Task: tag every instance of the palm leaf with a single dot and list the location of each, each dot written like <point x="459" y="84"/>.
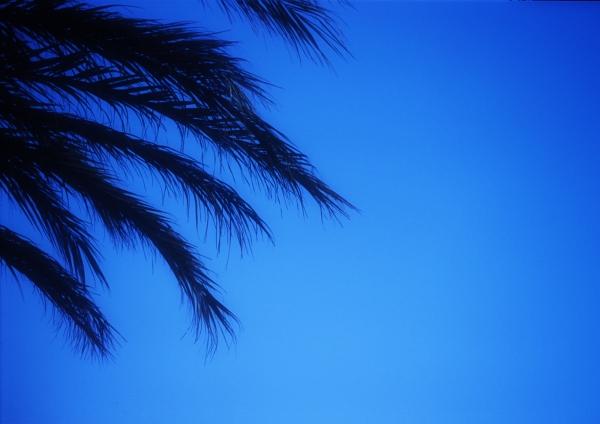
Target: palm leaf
<point x="304" y="24"/>
<point x="88" y="329"/>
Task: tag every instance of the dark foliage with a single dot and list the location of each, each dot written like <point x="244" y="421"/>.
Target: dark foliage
<point x="72" y="78"/>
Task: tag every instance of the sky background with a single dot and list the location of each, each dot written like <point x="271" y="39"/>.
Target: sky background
<point x="467" y="289"/>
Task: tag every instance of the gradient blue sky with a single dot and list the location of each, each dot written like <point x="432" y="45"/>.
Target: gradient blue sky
<point x="467" y="290"/>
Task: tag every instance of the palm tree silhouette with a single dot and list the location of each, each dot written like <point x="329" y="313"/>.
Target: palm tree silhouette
<point x="73" y="78"/>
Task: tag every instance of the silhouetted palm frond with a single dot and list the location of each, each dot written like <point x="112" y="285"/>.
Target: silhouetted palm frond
<point x="87" y="327"/>
<point x="304" y="24"/>
<point x="73" y="80"/>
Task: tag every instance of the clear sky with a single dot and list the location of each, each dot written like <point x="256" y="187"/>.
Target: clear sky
<point x="466" y="291"/>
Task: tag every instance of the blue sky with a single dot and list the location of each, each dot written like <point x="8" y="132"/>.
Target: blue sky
<point x="467" y="289"/>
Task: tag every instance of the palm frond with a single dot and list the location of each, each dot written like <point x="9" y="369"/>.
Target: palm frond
<point x="38" y="200"/>
<point x="231" y="215"/>
<point x="127" y="219"/>
<point x="89" y="331"/>
<point x="304" y="24"/>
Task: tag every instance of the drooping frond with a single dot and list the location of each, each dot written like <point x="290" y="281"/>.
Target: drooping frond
<point x="304" y="24"/>
<point x="128" y="219"/>
<point x="45" y="209"/>
<point x="89" y="330"/>
<point x="76" y="81"/>
<point x="231" y="215"/>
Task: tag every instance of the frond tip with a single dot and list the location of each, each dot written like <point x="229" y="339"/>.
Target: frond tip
<point x="87" y="327"/>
